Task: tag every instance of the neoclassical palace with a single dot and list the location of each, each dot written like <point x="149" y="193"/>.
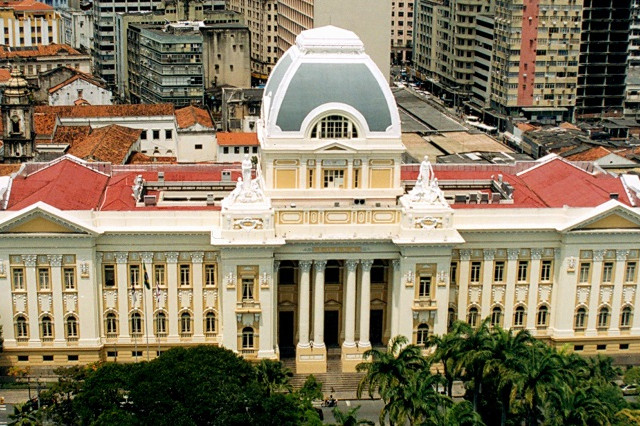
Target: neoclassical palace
<point x="328" y="244"/>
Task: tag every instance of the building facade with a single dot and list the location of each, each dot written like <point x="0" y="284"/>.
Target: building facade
<point x="401" y="31"/>
<point x="29" y="23"/>
<point x="329" y="245"/>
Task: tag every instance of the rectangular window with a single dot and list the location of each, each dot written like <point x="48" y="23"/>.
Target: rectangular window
<point x="334" y="178"/>
<point x="607" y="272"/>
<point x="453" y="273"/>
<point x="356" y="178"/>
<point x="545" y="271"/>
<point x="210" y="275"/>
<point x="424" y="289"/>
<point x="198" y="146"/>
<point x="168" y="134"/>
<point x="134" y="276"/>
<point x="310" y="176"/>
<point x="630" y="272"/>
<point x="143" y="135"/>
<point x="475" y="272"/>
<point x="185" y="275"/>
<point x="109" y="275"/>
<point x="43" y="279"/>
<point x="18" y="279"/>
<point x="498" y="272"/>
<point x="585" y="268"/>
<point x="523" y="270"/>
<point x="69" y="278"/>
<point x="225" y="150"/>
<point x="247" y="288"/>
<point x="156" y="134"/>
<point x="159" y="275"/>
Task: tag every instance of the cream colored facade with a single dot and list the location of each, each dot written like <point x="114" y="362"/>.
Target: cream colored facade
<point x="321" y="252"/>
<point x="33" y="25"/>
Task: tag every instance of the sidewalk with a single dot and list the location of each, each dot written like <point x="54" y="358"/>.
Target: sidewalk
<point x="16" y="396"/>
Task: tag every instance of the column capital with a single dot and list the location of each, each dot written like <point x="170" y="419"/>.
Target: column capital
<point x="172" y="256"/>
<point x="146" y="256"/>
<point x="489" y="254"/>
<point x="305" y="265"/>
<point x="512" y="254"/>
<point x="598" y="255"/>
<point x="621" y="255"/>
<point x="30" y="260"/>
<point x="122" y="257"/>
<point x="351" y="265"/>
<point x="319" y="265"/>
<point x="276" y="265"/>
<point x="536" y="253"/>
<point x="366" y="264"/>
<point x="197" y="257"/>
<point x="55" y="260"/>
<point x="465" y="254"/>
<point x="395" y="263"/>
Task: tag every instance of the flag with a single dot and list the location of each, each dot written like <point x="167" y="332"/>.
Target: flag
<point x="158" y="293"/>
<point x="146" y="277"/>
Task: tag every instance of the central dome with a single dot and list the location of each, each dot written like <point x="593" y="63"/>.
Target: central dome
<point x="327" y="73"/>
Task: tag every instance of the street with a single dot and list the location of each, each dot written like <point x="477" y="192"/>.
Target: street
<point x="369" y="409"/>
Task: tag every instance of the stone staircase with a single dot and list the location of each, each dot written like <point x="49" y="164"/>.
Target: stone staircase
<point x="334" y="381"/>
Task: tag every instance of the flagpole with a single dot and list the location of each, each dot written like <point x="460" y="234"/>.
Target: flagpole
<point x="144" y="298"/>
<point x="135" y="334"/>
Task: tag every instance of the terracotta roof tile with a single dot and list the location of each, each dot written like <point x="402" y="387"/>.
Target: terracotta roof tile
<point x="44" y="124"/>
<point x="40" y="50"/>
<point x="5" y="75"/>
<point x="69" y="135"/>
<point x="7" y="169"/>
<point x="592" y="154"/>
<point x="111" y="144"/>
<point x="26" y="5"/>
<point x="79" y="76"/>
<point x="191" y="115"/>
<point x="237" y="139"/>
<point x="130" y="110"/>
<point x="140" y="158"/>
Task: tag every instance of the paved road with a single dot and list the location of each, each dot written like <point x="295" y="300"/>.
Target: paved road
<point x="369" y="409"/>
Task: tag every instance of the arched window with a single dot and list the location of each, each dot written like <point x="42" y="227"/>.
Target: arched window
<point x="625" y="318"/>
<point x="247" y="338"/>
<point x="136" y="323"/>
<point x="22" y="328"/>
<point x="47" y="327"/>
<point x="72" y="327"/>
<point x="334" y="127"/>
<point x="496" y="316"/>
<point x="161" y="324"/>
<point x="543" y="316"/>
<point x="210" y="322"/>
<point x="518" y="317"/>
<point x="581" y="315"/>
<point x="111" y="324"/>
<point x="185" y="323"/>
<point x="472" y="318"/>
<point x="603" y="318"/>
<point x="423" y="334"/>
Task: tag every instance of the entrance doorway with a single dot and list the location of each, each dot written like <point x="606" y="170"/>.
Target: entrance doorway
<point x="285" y="334"/>
<point x="331" y="331"/>
<point x="375" y="330"/>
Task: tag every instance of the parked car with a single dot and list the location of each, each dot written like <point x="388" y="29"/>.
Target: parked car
<point x="630" y="390"/>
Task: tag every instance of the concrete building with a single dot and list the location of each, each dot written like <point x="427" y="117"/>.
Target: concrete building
<point x="262" y="19"/>
<point x="402" y="31"/>
<point x="330" y="246"/>
<point x="80" y="89"/>
<point x="373" y="23"/>
<point x="34" y="60"/>
<point x="77" y="28"/>
<point x="482" y="65"/>
<point x="29" y="23"/>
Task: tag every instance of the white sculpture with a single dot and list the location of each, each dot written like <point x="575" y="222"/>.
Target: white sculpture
<point x="138" y="186"/>
<point x="247" y="190"/>
<point x="426" y="189"/>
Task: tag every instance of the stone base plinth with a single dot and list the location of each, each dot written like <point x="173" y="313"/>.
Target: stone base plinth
<point x="352" y="356"/>
<point x="311" y="360"/>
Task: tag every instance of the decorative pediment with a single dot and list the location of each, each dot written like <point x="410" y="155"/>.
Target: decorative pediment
<point x="610" y="215"/>
<point x="41" y="218"/>
<point x="335" y="147"/>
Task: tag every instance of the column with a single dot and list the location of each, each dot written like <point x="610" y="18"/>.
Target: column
<point x="487" y="282"/>
<point x="365" y="303"/>
<point x="395" y="297"/>
<point x="172" y="295"/>
<point x="318" y="303"/>
<point x="123" y="294"/>
<point x="147" y="295"/>
<point x="618" y="283"/>
<point x="350" y="305"/>
<point x="31" y="280"/>
<point x="55" y="261"/>
<point x="534" y="277"/>
<point x="303" y="304"/>
<point x="274" y="303"/>
<point x="594" y="294"/>
<point x="266" y="324"/>
<point x="463" y="284"/>
<point x="198" y="315"/>
<point x="512" y="270"/>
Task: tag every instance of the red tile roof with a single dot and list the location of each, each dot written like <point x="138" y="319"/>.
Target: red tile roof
<point x="5" y="75"/>
<point x="79" y="76"/>
<point x="140" y="158"/>
<point x="65" y="185"/>
<point x="110" y="144"/>
<point x="69" y="135"/>
<point x="237" y="139"/>
<point x="26" y="5"/>
<point x="44" y="124"/>
<point x="592" y="154"/>
<point x="40" y="50"/>
<point x="191" y="115"/>
<point x="7" y="169"/>
<point x="129" y="110"/>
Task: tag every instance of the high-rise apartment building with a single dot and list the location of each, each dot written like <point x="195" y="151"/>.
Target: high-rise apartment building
<point x="603" y="58"/>
<point x="370" y="20"/>
<point x="401" y="31"/>
<point x="262" y="19"/>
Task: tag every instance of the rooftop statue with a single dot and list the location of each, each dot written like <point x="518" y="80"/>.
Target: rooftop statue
<point x="426" y="190"/>
<point x="247" y="190"/>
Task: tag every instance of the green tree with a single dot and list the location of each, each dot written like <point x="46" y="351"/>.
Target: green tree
<point x="391" y="368"/>
<point x="632" y="376"/>
<point x="349" y="418"/>
<point x="445" y="353"/>
<point x="274" y="376"/>
<point x="456" y="414"/>
<point x="576" y="406"/>
<point x="311" y="389"/>
<point x="23" y="415"/>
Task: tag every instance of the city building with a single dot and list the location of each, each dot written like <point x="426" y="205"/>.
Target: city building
<point x="327" y="246"/>
<point x="401" y="31"/>
<point x="262" y="19"/>
<point x="34" y="60"/>
<point x="373" y="24"/>
<point x="28" y="23"/>
<point x="80" y="89"/>
<point x="77" y="28"/>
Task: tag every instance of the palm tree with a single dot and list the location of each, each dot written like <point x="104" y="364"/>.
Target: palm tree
<point x="601" y="368"/>
<point x="391" y="368"/>
<point x="457" y="414"/>
<point x="577" y="406"/>
<point x="445" y="354"/>
<point x="274" y="376"/>
<point x="350" y="418"/>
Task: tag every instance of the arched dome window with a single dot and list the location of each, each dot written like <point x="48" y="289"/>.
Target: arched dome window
<point x="334" y="127"/>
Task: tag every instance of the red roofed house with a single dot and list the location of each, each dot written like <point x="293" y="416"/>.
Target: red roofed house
<point x="196" y="134"/>
<point x="80" y="89"/>
<point x="233" y="146"/>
